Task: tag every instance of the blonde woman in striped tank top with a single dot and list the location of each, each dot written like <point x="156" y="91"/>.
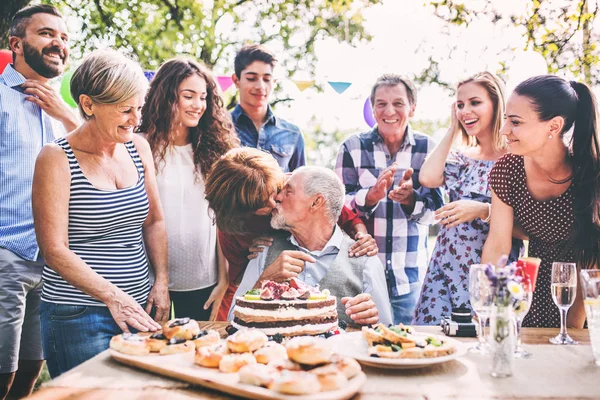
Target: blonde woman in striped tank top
<point x="98" y="219"/>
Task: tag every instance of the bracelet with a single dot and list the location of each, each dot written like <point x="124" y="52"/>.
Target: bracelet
<point x="489" y="213"/>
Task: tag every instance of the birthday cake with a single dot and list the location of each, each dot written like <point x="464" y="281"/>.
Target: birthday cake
<point x="289" y="309"/>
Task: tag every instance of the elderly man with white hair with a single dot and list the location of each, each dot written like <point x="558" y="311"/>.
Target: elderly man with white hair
<point x="316" y="252"/>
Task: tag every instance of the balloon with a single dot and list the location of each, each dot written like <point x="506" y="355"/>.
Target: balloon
<point x="65" y="89"/>
<point x="149" y="75"/>
<point x="224" y="82"/>
<point x="368" y="113"/>
<point x="5" y="59"/>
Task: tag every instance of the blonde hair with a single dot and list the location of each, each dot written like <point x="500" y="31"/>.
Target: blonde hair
<point x="107" y="77"/>
<point x="240" y="183"/>
<point x="495" y="89"/>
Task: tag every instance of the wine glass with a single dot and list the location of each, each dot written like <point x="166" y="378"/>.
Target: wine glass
<point x="481" y="295"/>
<point x="527" y="268"/>
<point x="520" y="313"/>
<point x="564" y="290"/>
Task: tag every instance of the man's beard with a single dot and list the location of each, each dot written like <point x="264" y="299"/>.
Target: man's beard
<point x="278" y="221"/>
<point x="35" y="59"/>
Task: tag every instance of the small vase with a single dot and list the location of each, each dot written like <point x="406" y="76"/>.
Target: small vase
<point x="502" y="340"/>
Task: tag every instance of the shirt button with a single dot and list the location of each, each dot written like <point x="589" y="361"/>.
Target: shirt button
<point x="389" y="261"/>
<point x="387" y="156"/>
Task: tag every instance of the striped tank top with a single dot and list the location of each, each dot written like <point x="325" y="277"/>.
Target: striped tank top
<point x="105" y="231"/>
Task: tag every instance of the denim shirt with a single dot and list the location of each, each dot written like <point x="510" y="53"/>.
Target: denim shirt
<point x="277" y="136"/>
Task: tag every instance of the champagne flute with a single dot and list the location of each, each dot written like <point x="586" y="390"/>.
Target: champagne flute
<point x="520" y="314"/>
<point x="527" y="268"/>
<point x="564" y="290"/>
<point x="481" y="295"/>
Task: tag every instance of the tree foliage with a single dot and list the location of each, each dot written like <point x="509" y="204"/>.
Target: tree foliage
<point x="155" y="30"/>
<point x="7" y="10"/>
<point x="561" y="31"/>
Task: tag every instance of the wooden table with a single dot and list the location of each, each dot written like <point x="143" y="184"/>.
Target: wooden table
<point x="448" y="380"/>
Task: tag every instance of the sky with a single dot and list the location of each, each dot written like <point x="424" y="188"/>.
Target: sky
<point x="404" y="33"/>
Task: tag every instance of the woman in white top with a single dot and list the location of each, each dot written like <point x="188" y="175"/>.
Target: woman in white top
<point x="188" y="130"/>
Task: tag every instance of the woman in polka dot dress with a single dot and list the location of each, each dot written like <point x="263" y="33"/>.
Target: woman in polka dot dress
<point x="476" y="118"/>
<point x="550" y="188"/>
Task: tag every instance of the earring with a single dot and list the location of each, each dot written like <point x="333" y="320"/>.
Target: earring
<point x="549" y="136"/>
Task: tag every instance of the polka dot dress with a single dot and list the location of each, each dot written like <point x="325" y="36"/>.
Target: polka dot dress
<point x="549" y="225"/>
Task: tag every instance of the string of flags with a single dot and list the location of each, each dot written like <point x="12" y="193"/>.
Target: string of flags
<point x="225" y="83"/>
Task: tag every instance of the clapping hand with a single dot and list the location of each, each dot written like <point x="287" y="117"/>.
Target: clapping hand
<point x="404" y="193"/>
<point x="385" y="180"/>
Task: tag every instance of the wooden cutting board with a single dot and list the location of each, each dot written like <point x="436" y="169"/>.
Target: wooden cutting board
<point x="182" y="367"/>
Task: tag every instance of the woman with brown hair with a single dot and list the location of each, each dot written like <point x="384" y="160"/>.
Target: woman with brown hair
<point x="549" y="183"/>
<point x="241" y="191"/>
<point x="188" y="130"/>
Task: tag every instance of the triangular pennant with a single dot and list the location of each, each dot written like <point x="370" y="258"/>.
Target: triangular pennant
<point x="224" y="82"/>
<point x="339" y="87"/>
<point x="303" y="85"/>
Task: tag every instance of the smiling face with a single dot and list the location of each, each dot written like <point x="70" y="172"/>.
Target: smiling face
<point x="45" y="47"/>
<point x="255" y="85"/>
<point x="191" y="101"/>
<point x="115" y="123"/>
<point x="292" y="205"/>
<point x="392" y="109"/>
<point x="525" y="133"/>
<point x="475" y="109"/>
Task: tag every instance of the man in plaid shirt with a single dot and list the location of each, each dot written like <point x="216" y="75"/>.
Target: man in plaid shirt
<point x="380" y="169"/>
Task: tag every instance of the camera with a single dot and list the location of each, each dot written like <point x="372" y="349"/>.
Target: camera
<point x="459" y="323"/>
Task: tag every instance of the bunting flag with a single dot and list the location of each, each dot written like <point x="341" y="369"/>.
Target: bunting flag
<point x="339" y="87"/>
<point x="225" y="82"/>
<point x="303" y="85"/>
<point x="149" y="75"/>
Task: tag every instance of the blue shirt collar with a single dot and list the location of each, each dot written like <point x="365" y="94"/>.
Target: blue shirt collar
<point x="271" y="118"/>
<point x="11" y="77"/>
<point x="409" y="137"/>
<point x="334" y="243"/>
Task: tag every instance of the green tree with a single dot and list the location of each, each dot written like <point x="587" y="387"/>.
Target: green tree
<point x="155" y="30"/>
<point x="562" y="32"/>
<point x="7" y="11"/>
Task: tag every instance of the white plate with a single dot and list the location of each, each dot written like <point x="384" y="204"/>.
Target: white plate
<point x="355" y="346"/>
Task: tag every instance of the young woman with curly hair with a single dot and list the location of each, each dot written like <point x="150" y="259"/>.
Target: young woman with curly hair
<point x="188" y="130"/>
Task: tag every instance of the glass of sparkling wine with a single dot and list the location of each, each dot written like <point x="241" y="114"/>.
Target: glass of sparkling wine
<point x="564" y="290"/>
<point x="590" y="284"/>
<point x="527" y="268"/>
<point x="481" y="295"/>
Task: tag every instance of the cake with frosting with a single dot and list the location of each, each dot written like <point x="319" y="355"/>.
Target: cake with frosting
<point x="289" y="309"/>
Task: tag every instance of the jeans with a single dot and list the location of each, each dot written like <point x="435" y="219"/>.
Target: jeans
<point x="403" y="307"/>
<point x="72" y="335"/>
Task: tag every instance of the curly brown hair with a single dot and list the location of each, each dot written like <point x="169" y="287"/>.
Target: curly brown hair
<point x="211" y="138"/>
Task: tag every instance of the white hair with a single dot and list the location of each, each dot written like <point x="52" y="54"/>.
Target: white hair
<point x="323" y="181"/>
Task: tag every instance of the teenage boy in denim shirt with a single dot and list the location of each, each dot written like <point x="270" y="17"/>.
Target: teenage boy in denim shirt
<point x="254" y="121"/>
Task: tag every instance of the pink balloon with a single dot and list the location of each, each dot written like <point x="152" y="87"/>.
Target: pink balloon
<point x="225" y="82"/>
<point x="5" y="59"/>
<point x="368" y="113"/>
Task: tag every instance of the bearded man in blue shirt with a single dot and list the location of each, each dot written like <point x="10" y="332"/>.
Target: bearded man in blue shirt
<point x="29" y="108"/>
<point x="254" y="121"/>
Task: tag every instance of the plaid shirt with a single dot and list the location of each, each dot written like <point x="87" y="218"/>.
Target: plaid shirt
<point x="402" y="238"/>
